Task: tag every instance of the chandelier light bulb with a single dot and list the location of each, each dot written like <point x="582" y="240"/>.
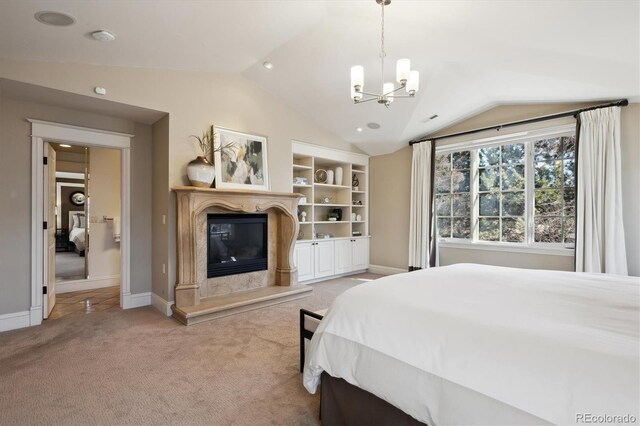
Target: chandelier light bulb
<point x="403" y="69"/>
<point x="413" y="84"/>
<point x="357" y="77"/>
<point x="387" y="90"/>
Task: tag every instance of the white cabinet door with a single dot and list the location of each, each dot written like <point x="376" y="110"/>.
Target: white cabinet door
<point x="343" y="256"/>
<point x="360" y="254"/>
<point x="324" y="259"/>
<point x="303" y="259"/>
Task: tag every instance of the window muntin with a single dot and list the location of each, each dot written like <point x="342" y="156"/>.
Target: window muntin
<point x="485" y="195"/>
<point x="453" y="194"/>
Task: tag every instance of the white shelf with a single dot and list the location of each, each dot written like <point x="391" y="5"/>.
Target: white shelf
<point x="358" y="192"/>
<point x="331" y="221"/>
<point x="331" y="205"/>
<point x="326" y="185"/>
<point x="301" y="167"/>
<point x="300" y="185"/>
<point x="358" y="221"/>
<point x="357" y="171"/>
<point x="358" y="205"/>
<point x="305" y="204"/>
<point x="305" y="223"/>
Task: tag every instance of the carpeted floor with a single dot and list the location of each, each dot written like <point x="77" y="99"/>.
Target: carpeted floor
<point x="139" y="367"/>
<point x="69" y="266"/>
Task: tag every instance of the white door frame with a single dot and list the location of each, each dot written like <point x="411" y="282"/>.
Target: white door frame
<point x="57" y="132"/>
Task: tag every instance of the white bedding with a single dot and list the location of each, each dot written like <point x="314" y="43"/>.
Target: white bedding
<point x="76" y="236"/>
<point x="472" y="344"/>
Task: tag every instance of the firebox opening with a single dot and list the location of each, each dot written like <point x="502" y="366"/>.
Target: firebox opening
<point x="236" y="243"/>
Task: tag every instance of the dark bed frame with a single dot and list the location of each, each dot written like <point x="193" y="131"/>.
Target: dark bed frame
<point x="342" y="403"/>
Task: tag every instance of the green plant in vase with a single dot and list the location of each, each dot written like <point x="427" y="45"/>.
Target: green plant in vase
<point x="201" y="172"/>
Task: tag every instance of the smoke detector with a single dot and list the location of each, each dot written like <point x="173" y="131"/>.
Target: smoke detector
<point x="103" y="35"/>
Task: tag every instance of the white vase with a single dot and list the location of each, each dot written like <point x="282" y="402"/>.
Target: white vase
<point x="338" y="175"/>
<point x="201" y="172"/>
<point x="330" y="177"/>
<point x="353" y="217"/>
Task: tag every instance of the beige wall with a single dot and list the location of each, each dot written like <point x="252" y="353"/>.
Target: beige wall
<point x="630" y="146"/>
<point x="390" y="197"/>
<point x="160" y="201"/>
<point x="104" y="200"/>
<point x="194" y="100"/>
<point x="388" y="239"/>
<point x="15" y="185"/>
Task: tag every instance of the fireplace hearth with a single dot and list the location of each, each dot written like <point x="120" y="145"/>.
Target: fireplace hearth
<point x="236" y="244"/>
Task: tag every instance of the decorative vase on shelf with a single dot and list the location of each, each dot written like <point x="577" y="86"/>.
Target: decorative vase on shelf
<point x="338" y="176"/>
<point x="201" y="172"/>
<point x="355" y="183"/>
<point x="330" y="177"/>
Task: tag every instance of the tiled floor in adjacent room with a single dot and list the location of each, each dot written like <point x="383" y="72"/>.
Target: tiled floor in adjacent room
<point x="85" y="302"/>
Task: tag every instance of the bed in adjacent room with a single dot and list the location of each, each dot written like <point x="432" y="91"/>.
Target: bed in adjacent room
<point x="474" y="344"/>
<point x="77" y="230"/>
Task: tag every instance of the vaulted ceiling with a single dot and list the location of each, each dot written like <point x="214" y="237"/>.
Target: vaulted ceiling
<point x="471" y="55"/>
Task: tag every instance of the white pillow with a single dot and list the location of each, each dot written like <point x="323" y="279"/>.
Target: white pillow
<point x="83" y="221"/>
<point x="76" y="222"/>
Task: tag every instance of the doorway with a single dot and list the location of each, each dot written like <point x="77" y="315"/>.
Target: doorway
<point x="103" y="229"/>
<point x="87" y="234"/>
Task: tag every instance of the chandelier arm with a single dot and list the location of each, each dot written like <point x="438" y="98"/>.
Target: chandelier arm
<point x="393" y="91"/>
<point x="366" y="100"/>
<point x="369" y="94"/>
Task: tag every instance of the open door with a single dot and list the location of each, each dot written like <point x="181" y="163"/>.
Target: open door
<point x="49" y="299"/>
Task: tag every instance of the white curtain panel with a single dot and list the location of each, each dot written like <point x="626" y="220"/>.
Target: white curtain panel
<point x="420" y="214"/>
<point x="599" y="229"/>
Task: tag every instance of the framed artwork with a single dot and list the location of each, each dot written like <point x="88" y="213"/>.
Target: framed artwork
<point x="240" y="160"/>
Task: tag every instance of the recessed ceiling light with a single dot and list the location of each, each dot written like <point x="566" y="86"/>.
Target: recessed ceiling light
<point x="56" y="19"/>
<point x="64" y="145"/>
<point x="268" y="65"/>
<point x="103" y="35"/>
<point x="373" y="126"/>
<point x="358" y="129"/>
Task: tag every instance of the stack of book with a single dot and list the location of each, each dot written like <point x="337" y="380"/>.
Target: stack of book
<point x="300" y="181"/>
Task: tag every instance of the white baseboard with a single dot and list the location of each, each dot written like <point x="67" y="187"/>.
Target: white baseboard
<point x="88" y="284"/>
<point x="130" y="301"/>
<point x="36" y="315"/>
<point x="162" y="305"/>
<point x="15" y="320"/>
<point x="385" y="270"/>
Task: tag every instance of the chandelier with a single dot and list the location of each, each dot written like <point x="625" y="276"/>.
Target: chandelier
<point x="407" y="78"/>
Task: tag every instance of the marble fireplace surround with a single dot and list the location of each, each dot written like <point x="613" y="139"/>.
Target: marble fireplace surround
<point x="198" y="298"/>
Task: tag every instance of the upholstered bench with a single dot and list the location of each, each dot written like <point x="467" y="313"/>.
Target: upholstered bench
<point x="309" y="322"/>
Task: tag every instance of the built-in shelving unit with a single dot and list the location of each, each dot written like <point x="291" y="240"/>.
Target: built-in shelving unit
<point x="323" y="198"/>
<point x="326" y="248"/>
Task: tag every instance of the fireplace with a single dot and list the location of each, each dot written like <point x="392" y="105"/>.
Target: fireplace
<point x="236" y="243"/>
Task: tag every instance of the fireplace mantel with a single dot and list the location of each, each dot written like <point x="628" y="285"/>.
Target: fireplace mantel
<point x="193" y="204"/>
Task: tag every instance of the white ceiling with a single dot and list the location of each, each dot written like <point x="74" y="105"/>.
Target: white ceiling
<point x="471" y="55"/>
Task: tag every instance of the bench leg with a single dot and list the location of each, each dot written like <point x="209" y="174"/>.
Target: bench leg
<point x="301" y="341"/>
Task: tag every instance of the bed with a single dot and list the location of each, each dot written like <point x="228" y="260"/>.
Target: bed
<point x="475" y="344"/>
<point x="77" y="230"/>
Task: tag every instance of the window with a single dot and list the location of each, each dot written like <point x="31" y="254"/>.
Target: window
<point x="555" y="181"/>
<point x="517" y="191"/>
<point x="453" y="199"/>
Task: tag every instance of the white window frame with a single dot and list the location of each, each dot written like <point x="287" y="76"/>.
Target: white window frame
<point x="529" y="245"/>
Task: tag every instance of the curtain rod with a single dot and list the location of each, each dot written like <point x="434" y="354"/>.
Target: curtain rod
<point x="498" y="127"/>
